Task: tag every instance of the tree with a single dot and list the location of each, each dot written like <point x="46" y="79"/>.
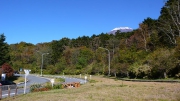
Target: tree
<point x="57" y="49"/>
<point x="151" y="28"/>
<point x="113" y="43"/>
<point x="169" y="20"/>
<point x="136" y="40"/>
<point x="161" y="61"/>
<point x="6" y="68"/>
<point x="81" y="41"/>
<point x="144" y="34"/>
<point x="22" y="55"/>
<point x="95" y="44"/>
<point x="4" y="48"/>
<point x="84" y="58"/>
<point x="104" y="39"/>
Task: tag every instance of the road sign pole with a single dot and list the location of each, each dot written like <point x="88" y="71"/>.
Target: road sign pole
<point x="25" y="85"/>
<point x="26" y="74"/>
<point x="85" y="78"/>
<point x="52" y="82"/>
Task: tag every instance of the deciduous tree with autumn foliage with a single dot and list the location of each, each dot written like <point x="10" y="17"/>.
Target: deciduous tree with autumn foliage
<point x="6" y="68"/>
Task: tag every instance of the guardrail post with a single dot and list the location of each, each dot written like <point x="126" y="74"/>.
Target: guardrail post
<point x="0" y="93"/>
<point x="16" y="91"/>
<point x="9" y="91"/>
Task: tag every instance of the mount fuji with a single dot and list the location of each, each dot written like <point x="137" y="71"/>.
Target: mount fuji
<point x="121" y="29"/>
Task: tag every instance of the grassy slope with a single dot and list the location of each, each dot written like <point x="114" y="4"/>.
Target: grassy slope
<point x="108" y="90"/>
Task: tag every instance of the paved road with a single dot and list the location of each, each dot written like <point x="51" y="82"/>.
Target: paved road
<point x="71" y="79"/>
<point x="32" y="79"/>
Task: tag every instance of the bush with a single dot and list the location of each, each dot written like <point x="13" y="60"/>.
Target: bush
<point x="40" y="89"/>
<point x="34" y="87"/>
<point x="57" y="86"/>
<point x="48" y="85"/>
<point x="59" y="80"/>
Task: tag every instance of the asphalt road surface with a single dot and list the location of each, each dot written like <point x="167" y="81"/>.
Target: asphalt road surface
<point x="69" y="79"/>
<point x="33" y="79"/>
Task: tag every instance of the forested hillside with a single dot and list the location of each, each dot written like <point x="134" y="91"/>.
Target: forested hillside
<point x="151" y="51"/>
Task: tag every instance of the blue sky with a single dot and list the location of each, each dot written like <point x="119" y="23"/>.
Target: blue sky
<point x="38" y="21"/>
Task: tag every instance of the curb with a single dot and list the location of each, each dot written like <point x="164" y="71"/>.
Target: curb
<point x="22" y="82"/>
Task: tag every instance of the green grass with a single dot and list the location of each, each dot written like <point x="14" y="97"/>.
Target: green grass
<point x="92" y="81"/>
<point x="59" y="80"/>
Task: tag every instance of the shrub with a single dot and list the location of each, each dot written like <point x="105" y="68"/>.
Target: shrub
<point x="57" y="86"/>
<point x="40" y="89"/>
<point x="34" y="87"/>
<point x="48" y="85"/>
<point x="59" y="80"/>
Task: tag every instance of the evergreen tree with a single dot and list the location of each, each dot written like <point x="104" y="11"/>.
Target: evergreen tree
<point x="4" y="50"/>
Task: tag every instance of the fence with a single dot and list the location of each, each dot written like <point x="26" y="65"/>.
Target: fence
<point x="8" y="89"/>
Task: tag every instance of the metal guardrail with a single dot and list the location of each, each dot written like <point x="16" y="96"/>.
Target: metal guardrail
<point x="7" y="87"/>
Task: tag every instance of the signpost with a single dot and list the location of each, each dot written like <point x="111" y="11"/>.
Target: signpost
<point x="26" y="74"/>
<point x="85" y="78"/>
<point x="52" y="82"/>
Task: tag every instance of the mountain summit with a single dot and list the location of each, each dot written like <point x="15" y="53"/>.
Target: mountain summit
<point x="121" y="29"/>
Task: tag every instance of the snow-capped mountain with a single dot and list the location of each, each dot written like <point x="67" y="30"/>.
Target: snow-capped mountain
<point x="121" y="29"/>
